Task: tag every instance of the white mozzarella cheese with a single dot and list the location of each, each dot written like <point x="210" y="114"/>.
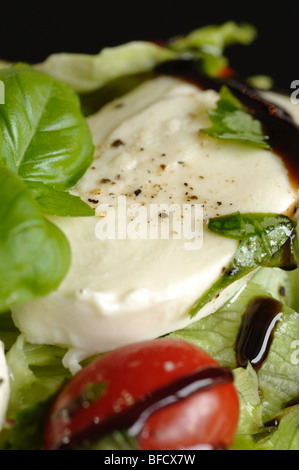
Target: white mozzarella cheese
<point x="149" y="150"/>
<point x="4" y="385"/>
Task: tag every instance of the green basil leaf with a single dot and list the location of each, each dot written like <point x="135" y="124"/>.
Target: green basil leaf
<point x="58" y="203"/>
<point x="264" y="240"/>
<point x="45" y="137"/>
<point x="34" y="253"/>
<point x="27" y="429"/>
<point x="231" y="121"/>
<point x="285" y="435"/>
<point x="89" y="72"/>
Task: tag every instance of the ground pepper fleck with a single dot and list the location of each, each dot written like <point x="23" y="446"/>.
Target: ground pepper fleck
<point x="117" y="143"/>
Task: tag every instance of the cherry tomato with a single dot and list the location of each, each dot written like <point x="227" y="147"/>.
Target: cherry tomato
<point x="125" y="378"/>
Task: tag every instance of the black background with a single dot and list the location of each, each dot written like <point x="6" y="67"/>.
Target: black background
<point x="30" y="33"/>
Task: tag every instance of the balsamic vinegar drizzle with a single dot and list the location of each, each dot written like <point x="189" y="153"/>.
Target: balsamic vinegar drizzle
<point x="134" y="417"/>
<point x="257" y="330"/>
<point x="281" y="130"/>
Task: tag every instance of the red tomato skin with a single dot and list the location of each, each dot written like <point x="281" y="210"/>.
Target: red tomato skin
<point x="129" y="373"/>
<point x="208" y="418"/>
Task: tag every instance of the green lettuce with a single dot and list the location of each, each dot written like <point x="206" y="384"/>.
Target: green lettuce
<point x="45" y="138"/>
<point x="275" y="385"/>
<point x="251" y="410"/>
<point x="36" y="375"/>
<point x="45" y="148"/>
<point x="85" y="72"/>
<point x="209" y="43"/>
<point x="36" y="372"/>
<point x="281" y="433"/>
<point x="267" y="419"/>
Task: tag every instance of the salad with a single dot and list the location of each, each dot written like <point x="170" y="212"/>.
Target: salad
<point x="149" y="252"/>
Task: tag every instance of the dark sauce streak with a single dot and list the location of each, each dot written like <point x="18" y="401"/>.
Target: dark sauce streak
<point x="281" y="130"/>
<point x="134" y="417"/>
<point x="287" y="256"/>
<point x="273" y="423"/>
<point x="257" y="331"/>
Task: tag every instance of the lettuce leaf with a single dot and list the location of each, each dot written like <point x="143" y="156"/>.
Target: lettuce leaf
<point x="278" y="377"/>
<point x="36" y="373"/>
<point x="58" y="203"/>
<point x="86" y="72"/>
<point x="215" y="37"/>
<point x="281" y="433"/>
<point x="45" y="138"/>
<point x="209" y="42"/>
<point x="285" y="435"/>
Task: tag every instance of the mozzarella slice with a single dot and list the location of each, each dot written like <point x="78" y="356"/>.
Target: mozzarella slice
<point x="149" y="151"/>
<point x="4" y="386"/>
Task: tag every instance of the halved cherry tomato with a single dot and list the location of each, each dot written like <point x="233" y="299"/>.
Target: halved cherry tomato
<point x="129" y="376"/>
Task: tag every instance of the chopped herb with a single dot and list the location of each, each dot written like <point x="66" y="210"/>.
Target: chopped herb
<point x="231" y="121"/>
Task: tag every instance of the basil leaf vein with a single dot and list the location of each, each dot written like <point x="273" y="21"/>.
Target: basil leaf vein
<point x="45" y="137"/>
<point x="58" y="203"/>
